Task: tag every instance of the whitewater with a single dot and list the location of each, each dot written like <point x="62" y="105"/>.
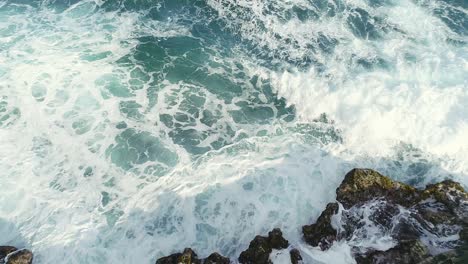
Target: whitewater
<point x="130" y="129"/>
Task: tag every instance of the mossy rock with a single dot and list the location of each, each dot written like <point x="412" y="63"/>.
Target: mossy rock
<point x="362" y="185"/>
<point x="451" y="194"/>
<point x="371" y="199"/>
<point x="260" y="248"/>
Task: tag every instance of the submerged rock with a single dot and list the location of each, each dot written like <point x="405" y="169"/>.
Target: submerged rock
<point x="376" y="206"/>
<point x="188" y="256"/>
<point x="11" y="255"/>
<point x="406" y="252"/>
<point x="260" y="248"/>
<point x="296" y="257"/>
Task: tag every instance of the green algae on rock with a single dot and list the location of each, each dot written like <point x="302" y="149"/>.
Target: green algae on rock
<point x="362" y="185"/>
<point x="365" y="197"/>
<point x="405" y="214"/>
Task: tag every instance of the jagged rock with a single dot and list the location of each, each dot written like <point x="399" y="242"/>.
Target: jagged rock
<point x="362" y="185"/>
<point x="216" y="258"/>
<point x="260" y="248"/>
<point x="296" y="257"/>
<point x="452" y="195"/>
<point x="11" y="255"/>
<point x="188" y="256"/>
<point x="371" y="200"/>
<point x="406" y="252"/>
<point x="322" y="233"/>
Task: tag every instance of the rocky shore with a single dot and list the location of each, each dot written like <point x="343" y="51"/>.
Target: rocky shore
<point x="425" y="226"/>
<point x="421" y="226"/>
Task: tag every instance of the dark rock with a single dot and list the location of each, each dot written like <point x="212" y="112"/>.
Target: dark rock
<point x="4" y="251"/>
<point x="187" y="257"/>
<point x="371" y="200"/>
<point x="22" y="256"/>
<point x="216" y="258"/>
<point x="296" y="257"/>
<point x="276" y="239"/>
<point x="174" y="258"/>
<point x="260" y="248"/>
<point x="362" y="185"/>
<point x="406" y="252"/>
<point x="372" y="203"/>
<point x="190" y="257"/>
<point x="322" y="232"/>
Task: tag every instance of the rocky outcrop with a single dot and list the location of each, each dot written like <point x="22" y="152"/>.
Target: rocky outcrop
<point x="188" y="256"/>
<point x="216" y="258"/>
<point x="371" y="201"/>
<point x="12" y="255"/>
<point x="363" y="185"/>
<point x="261" y="247"/>
<point x="258" y="252"/>
<point x="370" y="205"/>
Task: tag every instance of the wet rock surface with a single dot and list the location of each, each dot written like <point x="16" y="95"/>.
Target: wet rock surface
<point x="258" y="252"/>
<point x="12" y="255"/>
<point x="420" y="223"/>
<point x="322" y="233"/>
<point x="406" y="252"/>
<point x="416" y="226"/>
<point x="260" y="248"/>
<point x="296" y="257"/>
<point x="188" y="256"/>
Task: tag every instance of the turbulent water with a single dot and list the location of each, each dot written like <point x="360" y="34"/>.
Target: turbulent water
<point x="133" y="128"/>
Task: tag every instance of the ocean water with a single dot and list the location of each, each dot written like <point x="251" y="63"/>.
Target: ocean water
<point x="130" y="129"/>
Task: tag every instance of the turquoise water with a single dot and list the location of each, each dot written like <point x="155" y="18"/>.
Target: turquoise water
<point x="131" y="129"/>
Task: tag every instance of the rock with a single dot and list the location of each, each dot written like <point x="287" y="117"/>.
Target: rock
<point x="452" y="195"/>
<point x="216" y="258"/>
<point x="372" y="207"/>
<point x="22" y="256"/>
<point x="260" y="248"/>
<point x="374" y="202"/>
<point x="4" y="251"/>
<point x="406" y="252"/>
<point x="190" y="257"/>
<point x="296" y="257"/>
<point x="187" y="257"/>
<point x="322" y="233"/>
<point x="276" y="239"/>
<point x="362" y="185"/>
